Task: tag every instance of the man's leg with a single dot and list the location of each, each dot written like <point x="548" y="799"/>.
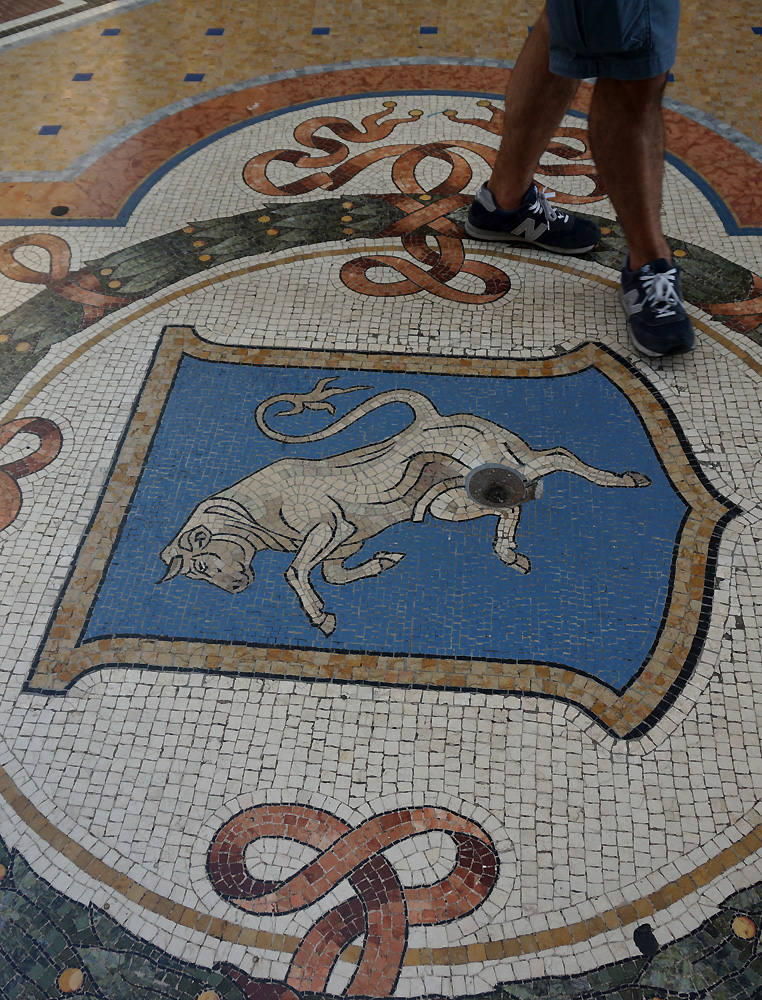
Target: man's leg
<point x="510" y="207"/>
<point x="627" y="139"/>
<point x="535" y="102"/>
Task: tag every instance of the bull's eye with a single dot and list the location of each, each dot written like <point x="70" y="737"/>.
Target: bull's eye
<point x="200" y="566"/>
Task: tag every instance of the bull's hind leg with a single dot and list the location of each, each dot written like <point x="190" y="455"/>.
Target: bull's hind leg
<point x="334" y="570"/>
<point x="455" y="505"/>
<point x="319" y="542"/>
<point x="541" y="463"/>
<point x="452" y="503"/>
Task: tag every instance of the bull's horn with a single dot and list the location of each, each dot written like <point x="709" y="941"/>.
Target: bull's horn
<point x="175" y="566"/>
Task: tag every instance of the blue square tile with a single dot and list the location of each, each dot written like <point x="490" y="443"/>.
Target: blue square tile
<point x="49" y="130"/>
<point x="321" y="31"/>
<point x="757" y="31"/>
<point x="215" y="31"/>
<point x="111" y="31"/>
<point x="194" y="77"/>
<point x="670" y="77"/>
<point x="429" y="29"/>
<point x="82" y="77"/>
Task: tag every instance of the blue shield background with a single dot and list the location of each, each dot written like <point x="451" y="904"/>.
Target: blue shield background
<point x="601" y="557"/>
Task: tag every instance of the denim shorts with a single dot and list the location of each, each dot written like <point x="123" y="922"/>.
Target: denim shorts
<point x="624" y="39"/>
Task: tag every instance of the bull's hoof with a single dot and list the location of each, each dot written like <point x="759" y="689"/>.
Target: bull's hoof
<point x="388" y="559"/>
<point x="635" y="479"/>
<point x="327" y="624"/>
<point x="521" y="563"/>
<point x="511" y="558"/>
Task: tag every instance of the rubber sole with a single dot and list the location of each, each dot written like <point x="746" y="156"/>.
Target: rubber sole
<point x="491" y="236"/>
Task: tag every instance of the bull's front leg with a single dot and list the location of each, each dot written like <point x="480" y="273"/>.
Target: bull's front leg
<point x="504" y="544"/>
<point x="319" y="542"/>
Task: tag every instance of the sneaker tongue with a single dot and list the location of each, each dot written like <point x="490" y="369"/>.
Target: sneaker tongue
<point x="660" y="266"/>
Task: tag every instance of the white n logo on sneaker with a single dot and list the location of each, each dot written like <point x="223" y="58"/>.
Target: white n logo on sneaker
<point x="631" y="303"/>
<point x="530" y="230"/>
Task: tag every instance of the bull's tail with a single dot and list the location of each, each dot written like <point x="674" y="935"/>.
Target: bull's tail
<point x="318" y="399"/>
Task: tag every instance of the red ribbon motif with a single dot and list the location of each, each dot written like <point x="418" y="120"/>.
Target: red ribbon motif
<point x="442" y="261"/>
<point x="380" y="910"/>
<point x="81" y="286"/>
<point x="50" y="445"/>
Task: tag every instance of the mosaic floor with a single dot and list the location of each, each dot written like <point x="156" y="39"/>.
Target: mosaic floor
<point x="287" y="715"/>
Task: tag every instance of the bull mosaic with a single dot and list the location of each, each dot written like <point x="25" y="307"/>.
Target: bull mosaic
<point x="325" y="510"/>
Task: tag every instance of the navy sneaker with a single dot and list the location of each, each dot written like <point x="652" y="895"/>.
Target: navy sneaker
<point x="535" y="222"/>
<point x="656" y="318"/>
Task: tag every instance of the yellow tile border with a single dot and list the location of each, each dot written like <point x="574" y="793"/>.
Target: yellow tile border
<point x="64" y="657"/>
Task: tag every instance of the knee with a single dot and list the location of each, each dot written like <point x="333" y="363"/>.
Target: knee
<point x="632" y="97"/>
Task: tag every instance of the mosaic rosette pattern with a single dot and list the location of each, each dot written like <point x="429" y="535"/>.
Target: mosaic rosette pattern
<point x="278" y="696"/>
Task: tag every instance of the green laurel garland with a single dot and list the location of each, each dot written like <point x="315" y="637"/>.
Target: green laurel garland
<point x="145" y="268"/>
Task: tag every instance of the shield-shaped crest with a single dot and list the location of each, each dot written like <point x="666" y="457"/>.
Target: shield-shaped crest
<point x="308" y="518"/>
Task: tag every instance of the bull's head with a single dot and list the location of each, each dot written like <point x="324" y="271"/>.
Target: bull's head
<point x="222" y="560"/>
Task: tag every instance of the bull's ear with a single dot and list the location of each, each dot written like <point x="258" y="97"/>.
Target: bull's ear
<point x="195" y="539"/>
<point x="175" y="567"/>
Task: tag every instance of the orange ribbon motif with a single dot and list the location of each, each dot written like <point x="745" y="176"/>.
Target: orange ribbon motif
<point x="81" y="286"/>
<point x="442" y="261"/>
<point x="446" y="259"/>
<point x="380" y="910"/>
<point x="50" y="445"/>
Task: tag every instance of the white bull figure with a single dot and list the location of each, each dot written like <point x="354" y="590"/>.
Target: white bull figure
<point x="324" y="510"/>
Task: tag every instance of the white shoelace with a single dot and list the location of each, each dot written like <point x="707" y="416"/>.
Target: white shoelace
<point x="542" y="203"/>
<point x="660" y="292"/>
